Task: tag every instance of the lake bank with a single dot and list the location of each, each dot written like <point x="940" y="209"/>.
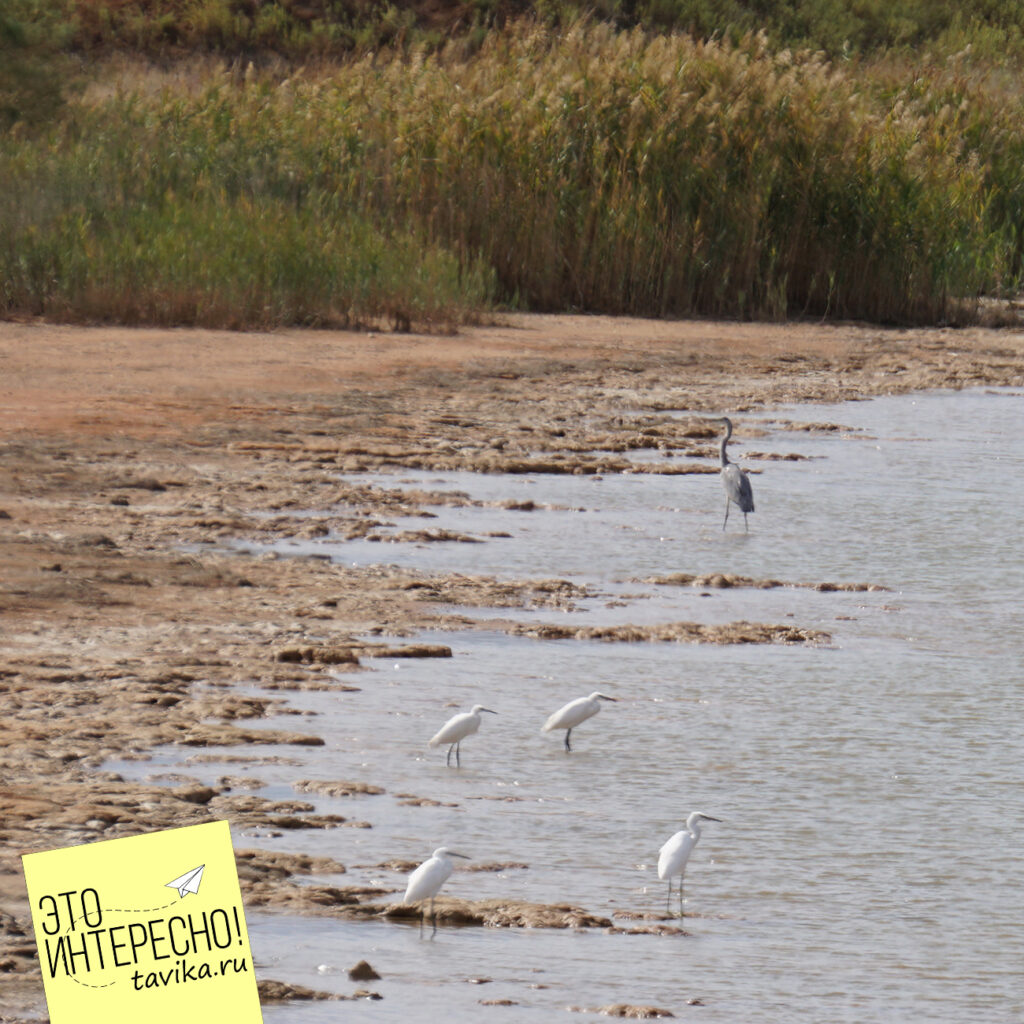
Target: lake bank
<point x="128" y="453"/>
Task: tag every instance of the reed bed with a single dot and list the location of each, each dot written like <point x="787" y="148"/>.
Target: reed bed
<point x="587" y="169"/>
<point x="317" y="28"/>
<point x="160" y="215"/>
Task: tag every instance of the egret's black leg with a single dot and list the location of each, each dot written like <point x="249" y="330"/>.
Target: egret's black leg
<point x="668" y="898"/>
<point x="567" y="733"/>
<point x="682" y="913"/>
<point x="448" y="759"/>
<point x="458" y="763"/>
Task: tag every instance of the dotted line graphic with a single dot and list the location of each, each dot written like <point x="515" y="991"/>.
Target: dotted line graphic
<point x="113" y="910"/>
<point x="87" y="984"/>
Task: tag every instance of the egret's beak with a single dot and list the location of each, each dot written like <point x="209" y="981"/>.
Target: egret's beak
<point x="614" y="700"/>
<point x="707" y="817"/>
<point x="452" y="853"/>
<point x="489" y="711"/>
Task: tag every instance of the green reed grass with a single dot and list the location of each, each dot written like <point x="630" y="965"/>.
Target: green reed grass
<point x="247" y="28"/>
<point x="146" y="215"/>
<point x="588" y="170"/>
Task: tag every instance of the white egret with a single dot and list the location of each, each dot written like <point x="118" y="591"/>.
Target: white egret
<point x="426" y="881"/>
<point x="676" y="852"/>
<point x="573" y="713"/>
<point x="456" y="729"/>
<point x="734" y="480"/>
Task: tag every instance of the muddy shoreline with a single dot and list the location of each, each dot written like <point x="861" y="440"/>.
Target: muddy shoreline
<point x="130" y="458"/>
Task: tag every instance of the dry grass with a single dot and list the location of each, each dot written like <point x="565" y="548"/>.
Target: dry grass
<point x="586" y="169"/>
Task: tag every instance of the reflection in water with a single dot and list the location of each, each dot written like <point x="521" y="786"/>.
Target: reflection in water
<point x="870" y="791"/>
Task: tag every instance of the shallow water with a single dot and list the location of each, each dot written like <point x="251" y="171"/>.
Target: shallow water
<point x="871" y="788"/>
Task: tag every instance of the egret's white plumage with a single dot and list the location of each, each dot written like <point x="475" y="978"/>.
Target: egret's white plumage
<point x="676" y="852"/>
<point x="736" y="483"/>
<point x="573" y="713"/>
<point x="457" y="728"/>
<point x="426" y="881"/>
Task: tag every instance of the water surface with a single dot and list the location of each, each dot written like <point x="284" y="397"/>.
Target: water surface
<point x="867" y="867"/>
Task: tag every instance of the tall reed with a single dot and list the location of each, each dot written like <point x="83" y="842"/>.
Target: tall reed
<point x="588" y="170"/>
<point x="162" y="214"/>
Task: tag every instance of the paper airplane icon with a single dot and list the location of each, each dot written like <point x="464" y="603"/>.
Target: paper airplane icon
<point x="188" y="882"/>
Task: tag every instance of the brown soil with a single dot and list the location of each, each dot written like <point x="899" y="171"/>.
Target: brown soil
<point x="128" y="455"/>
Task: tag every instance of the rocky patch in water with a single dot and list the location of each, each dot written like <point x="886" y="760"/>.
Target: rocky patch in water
<point x="469" y="591"/>
<point x="336" y="789"/>
<point x="272" y="992"/>
<point x="727" y="580"/>
<point x="265" y="865"/>
<point x="626" y="1010"/>
<point x="361" y="903"/>
<point x="675" y="632"/>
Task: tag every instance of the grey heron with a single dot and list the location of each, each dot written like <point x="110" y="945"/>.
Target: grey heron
<point x="734" y="480"/>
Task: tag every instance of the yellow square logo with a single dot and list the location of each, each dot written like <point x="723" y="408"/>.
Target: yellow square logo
<point x="149" y="927"/>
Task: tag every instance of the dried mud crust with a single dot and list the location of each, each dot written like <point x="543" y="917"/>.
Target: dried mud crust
<point x="129" y="458"/>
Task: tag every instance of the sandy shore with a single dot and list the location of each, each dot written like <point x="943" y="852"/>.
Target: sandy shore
<point x="128" y="456"/>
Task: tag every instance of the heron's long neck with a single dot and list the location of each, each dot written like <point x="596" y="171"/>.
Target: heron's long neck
<point x="727" y="423"/>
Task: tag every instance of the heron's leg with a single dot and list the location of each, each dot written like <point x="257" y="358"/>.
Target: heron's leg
<point x="448" y="759"/>
<point x="567" y="733"/>
<point x="746" y="529"/>
<point x="726" y="519"/>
